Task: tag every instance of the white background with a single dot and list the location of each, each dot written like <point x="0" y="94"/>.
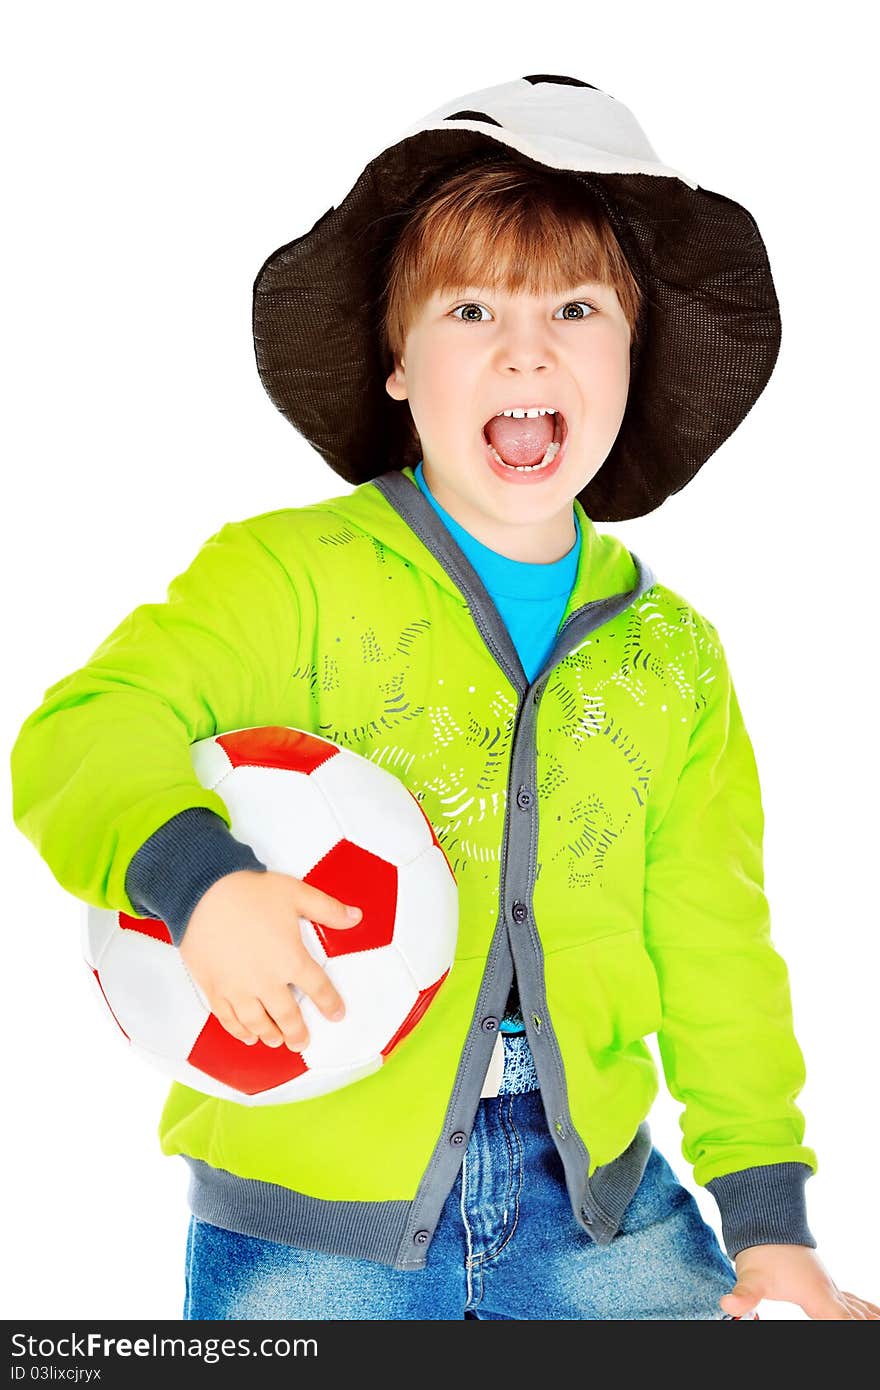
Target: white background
<point x="155" y="156"/>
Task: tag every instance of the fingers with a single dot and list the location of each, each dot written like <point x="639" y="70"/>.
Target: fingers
<point x="267" y="1010"/>
<point x="277" y="1017"/>
<point x="314" y="981"/>
<point x="281" y="1022"/>
<point x="862" y="1308"/>
<point x="290" y="1026"/>
<point x="224" y="1013"/>
<point x="322" y="907"/>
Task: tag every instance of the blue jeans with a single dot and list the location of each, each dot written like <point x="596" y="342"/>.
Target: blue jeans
<point x="506" y="1247"/>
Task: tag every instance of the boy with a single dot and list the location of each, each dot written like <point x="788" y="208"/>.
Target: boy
<point x="568" y="724"/>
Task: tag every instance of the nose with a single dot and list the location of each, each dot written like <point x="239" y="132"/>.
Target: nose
<point x="525" y="347"/>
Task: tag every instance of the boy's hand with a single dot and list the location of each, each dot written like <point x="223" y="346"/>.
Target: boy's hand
<point x="243" y="947"/>
<point x="791" y="1274"/>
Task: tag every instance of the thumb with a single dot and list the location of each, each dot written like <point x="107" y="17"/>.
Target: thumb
<point x="743" y="1298"/>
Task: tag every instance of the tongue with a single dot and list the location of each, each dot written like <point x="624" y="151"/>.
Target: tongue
<point x="522" y="441"/>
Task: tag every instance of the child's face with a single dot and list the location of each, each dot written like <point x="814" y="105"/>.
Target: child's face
<point x="460" y="368"/>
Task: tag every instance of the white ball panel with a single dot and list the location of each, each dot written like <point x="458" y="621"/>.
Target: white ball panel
<point x="373" y="807"/>
<point x="426" y="927"/>
<point x="311" y="941"/>
<point x="210" y="762"/>
<point x="97" y="993"/>
<point x="188" y="1075"/>
<point x="98" y="926"/>
<point x="282" y="816"/>
<point x="152" y="994"/>
<point x="378" y="992"/>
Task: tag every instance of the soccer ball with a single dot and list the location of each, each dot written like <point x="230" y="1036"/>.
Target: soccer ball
<point x="333" y="818"/>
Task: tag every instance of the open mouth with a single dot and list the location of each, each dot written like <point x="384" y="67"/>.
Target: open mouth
<point x="551" y="454"/>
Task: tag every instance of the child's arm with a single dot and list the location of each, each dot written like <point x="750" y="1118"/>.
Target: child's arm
<point x="180" y="861"/>
<point x="104" y="785"/>
<point x="727" y="1043"/>
<point x="103" y="764"/>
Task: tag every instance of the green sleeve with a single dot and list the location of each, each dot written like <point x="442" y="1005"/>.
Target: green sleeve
<point x="104" y="760"/>
<point x="727" y="1043"/>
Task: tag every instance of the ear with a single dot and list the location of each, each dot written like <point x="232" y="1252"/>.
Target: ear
<point x="395" y="384"/>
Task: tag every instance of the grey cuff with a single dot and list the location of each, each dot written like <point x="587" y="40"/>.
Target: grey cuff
<point x="177" y="865"/>
<point x="763" y="1206"/>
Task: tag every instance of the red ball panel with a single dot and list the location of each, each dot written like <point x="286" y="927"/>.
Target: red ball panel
<point x="147" y="926"/>
<point x="248" y="1067"/>
<point x="415" y="1013"/>
<point x="355" y="876"/>
<point x="292" y="750"/>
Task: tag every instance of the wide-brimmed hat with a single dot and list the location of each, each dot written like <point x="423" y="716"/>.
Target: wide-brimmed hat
<point x="709" y="329"/>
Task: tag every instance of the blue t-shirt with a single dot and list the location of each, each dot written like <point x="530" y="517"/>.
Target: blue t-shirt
<point x="531" y="599"/>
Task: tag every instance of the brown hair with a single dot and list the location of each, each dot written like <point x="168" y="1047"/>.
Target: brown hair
<point x="510" y="227"/>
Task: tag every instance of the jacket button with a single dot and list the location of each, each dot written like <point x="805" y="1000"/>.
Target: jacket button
<point x="587" y="1215"/>
<point x="458" y="1137"/>
<point x="422" y="1237"/>
<point x="490" y="1024"/>
<point x="524" y="798"/>
<point x="520" y="912"/>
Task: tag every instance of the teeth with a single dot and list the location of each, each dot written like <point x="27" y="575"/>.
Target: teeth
<point x="530" y="414"/>
<point x="552" y="451"/>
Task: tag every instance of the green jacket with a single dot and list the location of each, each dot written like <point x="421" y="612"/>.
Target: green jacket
<point x="604" y="824"/>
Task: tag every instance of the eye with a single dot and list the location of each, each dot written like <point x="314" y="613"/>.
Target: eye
<point x="471" y="304"/>
<point x="572" y="302"/>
